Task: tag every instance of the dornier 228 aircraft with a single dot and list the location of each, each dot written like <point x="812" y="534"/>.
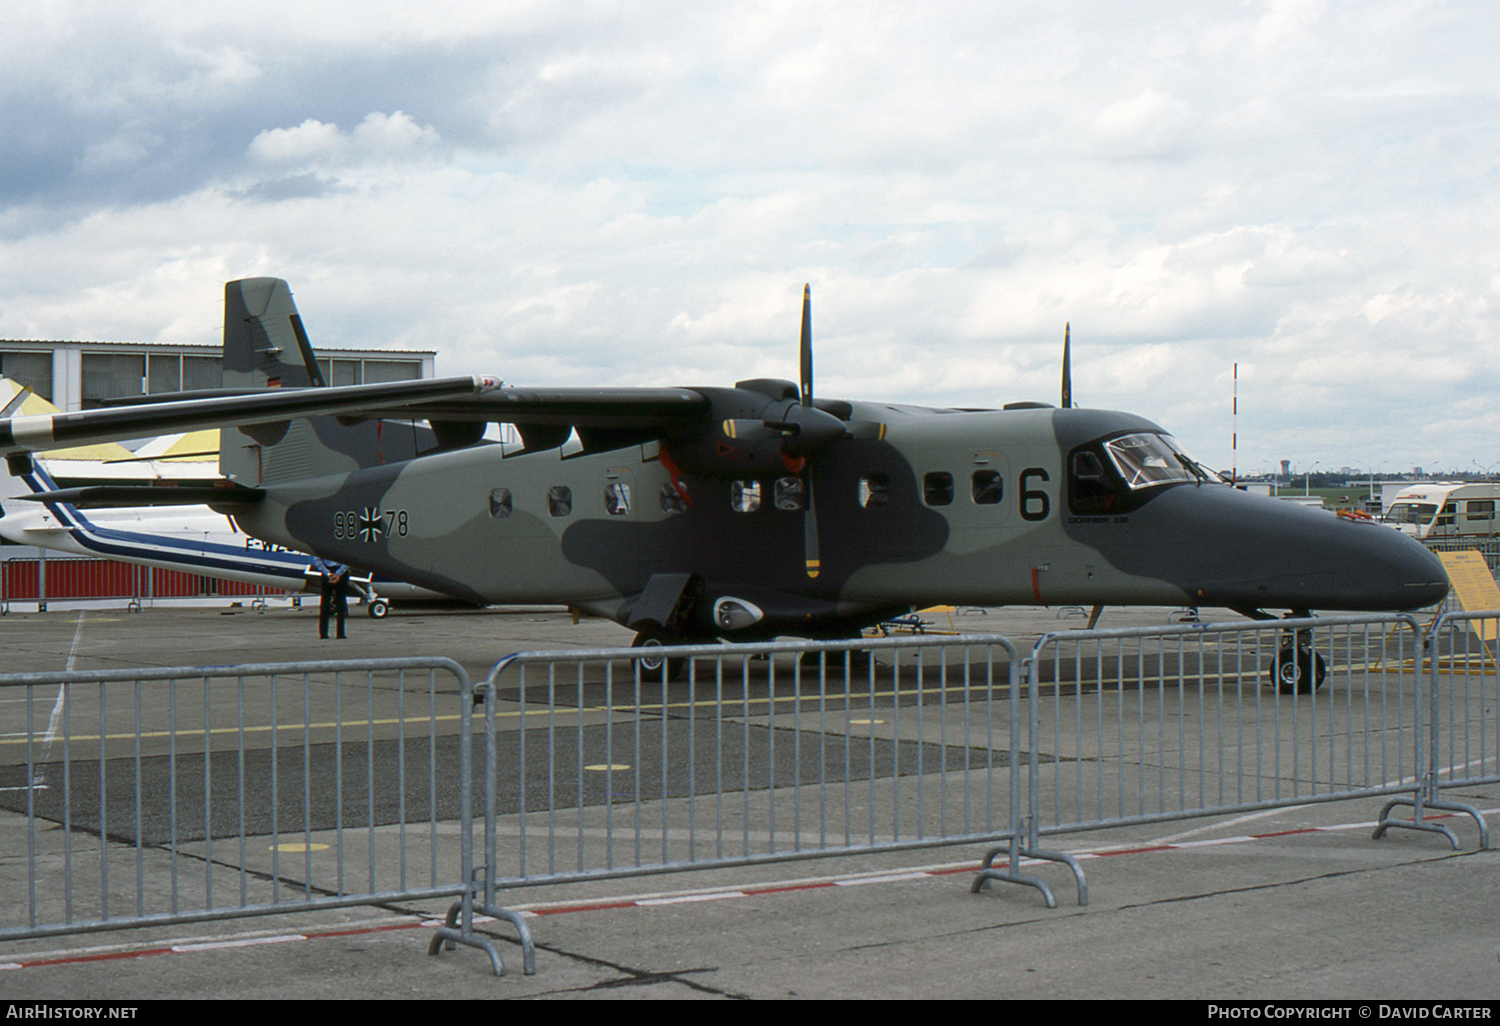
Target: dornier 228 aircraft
<point x="748" y="512"/>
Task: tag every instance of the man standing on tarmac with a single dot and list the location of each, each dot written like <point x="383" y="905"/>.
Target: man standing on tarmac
<point x="335" y="594"/>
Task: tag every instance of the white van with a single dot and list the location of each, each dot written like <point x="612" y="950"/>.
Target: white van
<point x="1444" y="510"/>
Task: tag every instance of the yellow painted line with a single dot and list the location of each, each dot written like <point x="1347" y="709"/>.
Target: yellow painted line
<point x="297" y="846"/>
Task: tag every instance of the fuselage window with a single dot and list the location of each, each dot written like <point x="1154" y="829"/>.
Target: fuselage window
<point x="937" y="488"/>
<point x="874" y="490"/>
<point x="672" y="501"/>
<point x="790" y="494"/>
<point x="744" y="496"/>
<point x="989" y="487"/>
<point x="559" y="500"/>
<point x="500" y="504"/>
<point x="617" y="499"/>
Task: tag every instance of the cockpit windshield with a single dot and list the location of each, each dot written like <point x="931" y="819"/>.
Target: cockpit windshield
<point x="1145" y="460"/>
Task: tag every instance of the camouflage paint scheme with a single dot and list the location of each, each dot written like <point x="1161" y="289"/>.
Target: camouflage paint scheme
<point x="480" y="520"/>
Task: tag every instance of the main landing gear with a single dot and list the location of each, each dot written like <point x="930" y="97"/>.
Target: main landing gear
<point x="655" y="666"/>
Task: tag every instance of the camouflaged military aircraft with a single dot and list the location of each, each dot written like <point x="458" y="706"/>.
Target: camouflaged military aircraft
<point x="761" y="510"/>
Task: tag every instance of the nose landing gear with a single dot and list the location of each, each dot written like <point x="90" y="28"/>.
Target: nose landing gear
<point x="1298" y="670"/>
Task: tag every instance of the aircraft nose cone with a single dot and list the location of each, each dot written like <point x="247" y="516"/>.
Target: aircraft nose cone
<point x="1251" y="551"/>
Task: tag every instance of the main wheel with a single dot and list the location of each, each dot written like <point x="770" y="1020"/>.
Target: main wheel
<point x="1299" y="671"/>
<point x="656" y="666"/>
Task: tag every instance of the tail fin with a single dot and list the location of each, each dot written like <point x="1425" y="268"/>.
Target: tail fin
<point x="261" y="326"/>
<point x="265" y="344"/>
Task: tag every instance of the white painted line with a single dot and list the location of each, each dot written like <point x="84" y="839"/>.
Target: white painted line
<point x="888" y="878"/>
<point x="248" y="942"/>
<point x="716" y="896"/>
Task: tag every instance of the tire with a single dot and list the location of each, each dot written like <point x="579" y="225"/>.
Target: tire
<point x="655" y="667"/>
<point x="1298" y="671"/>
<point x="379" y="609"/>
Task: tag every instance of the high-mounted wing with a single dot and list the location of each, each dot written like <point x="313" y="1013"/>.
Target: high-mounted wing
<point x="39" y="433"/>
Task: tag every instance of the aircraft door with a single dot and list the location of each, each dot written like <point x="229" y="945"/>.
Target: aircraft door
<point x="973" y="490"/>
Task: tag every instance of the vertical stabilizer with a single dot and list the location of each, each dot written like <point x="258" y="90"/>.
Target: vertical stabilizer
<point x="265" y="345"/>
<point x="264" y="342"/>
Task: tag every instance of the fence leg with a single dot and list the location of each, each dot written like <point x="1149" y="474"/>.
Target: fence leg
<point x="1427" y="794"/>
<point x="458" y="928"/>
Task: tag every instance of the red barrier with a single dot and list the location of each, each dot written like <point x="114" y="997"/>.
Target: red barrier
<point x="85" y="578"/>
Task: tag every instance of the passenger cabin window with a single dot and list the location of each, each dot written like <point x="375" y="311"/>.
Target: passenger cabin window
<point x="937" y="488"/>
<point x="617" y="499"/>
<point x="744" y="496"/>
<point x="988" y="487"/>
<point x="559" y="501"/>
<point x="874" y="490"/>
<point x="672" y="501"/>
<point x="791" y="494"/>
<point x="1480" y="509"/>
<point x="500" y="503"/>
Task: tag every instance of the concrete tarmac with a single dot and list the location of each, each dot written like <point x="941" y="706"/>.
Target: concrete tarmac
<point x="1279" y="905"/>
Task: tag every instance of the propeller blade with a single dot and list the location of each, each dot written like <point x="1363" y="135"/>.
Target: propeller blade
<point x="806" y="346"/>
<point x="1067" y="381"/>
<point x="810" y="534"/>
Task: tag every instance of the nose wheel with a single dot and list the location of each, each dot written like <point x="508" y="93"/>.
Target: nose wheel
<point x="1298" y="671"/>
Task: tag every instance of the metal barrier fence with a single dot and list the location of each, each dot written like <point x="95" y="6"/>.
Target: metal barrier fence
<point x="1158" y="724"/>
<point x="596" y="766"/>
<point x="177" y="795"/>
<point x="201" y="793"/>
<point x="1462" y="742"/>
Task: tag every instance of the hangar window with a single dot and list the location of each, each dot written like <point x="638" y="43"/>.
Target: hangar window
<point x="988" y="487"/>
<point x="744" y="496"/>
<point x="617" y="499"/>
<point x="559" y="500"/>
<point x="673" y="501"/>
<point x="791" y="495"/>
<point x="500" y="503"/>
<point x="937" y="488"/>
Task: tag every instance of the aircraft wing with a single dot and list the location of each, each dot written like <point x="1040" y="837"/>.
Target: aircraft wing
<point x="657" y="408"/>
<point x="40" y="433"/>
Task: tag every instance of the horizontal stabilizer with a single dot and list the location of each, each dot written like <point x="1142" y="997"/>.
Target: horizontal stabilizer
<point x="106" y="496"/>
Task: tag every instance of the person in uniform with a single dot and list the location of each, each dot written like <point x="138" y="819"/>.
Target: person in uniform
<point x="334" y="600"/>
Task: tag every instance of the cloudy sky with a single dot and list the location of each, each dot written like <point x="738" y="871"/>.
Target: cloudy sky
<point x="594" y="193"/>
